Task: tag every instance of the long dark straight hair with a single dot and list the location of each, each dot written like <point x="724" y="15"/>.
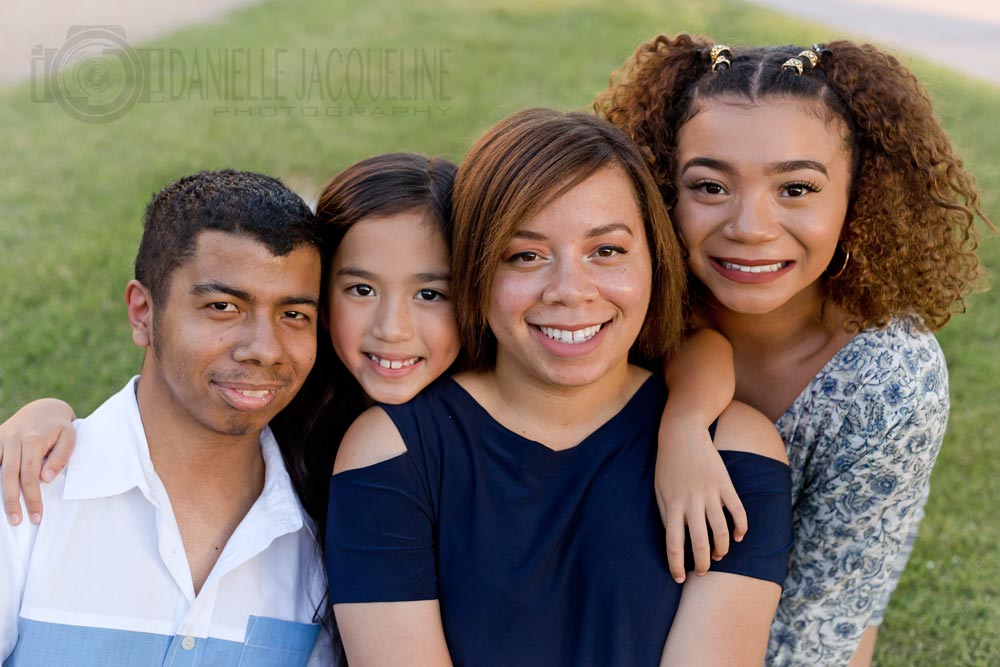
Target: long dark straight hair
<point x="311" y="426"/>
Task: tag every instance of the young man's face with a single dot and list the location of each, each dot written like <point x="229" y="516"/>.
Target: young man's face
<point x="235" y="336"/>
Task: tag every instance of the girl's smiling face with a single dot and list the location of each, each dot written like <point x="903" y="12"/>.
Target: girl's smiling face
<point x="391" y="319"/>
<point x="762" y="196"/>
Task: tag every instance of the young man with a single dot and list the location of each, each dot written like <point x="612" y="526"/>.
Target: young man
<point x="174" y="535"/>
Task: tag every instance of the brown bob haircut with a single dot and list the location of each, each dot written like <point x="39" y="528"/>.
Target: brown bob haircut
<point x="910" y="226"/>
<point x="520" y="166"/>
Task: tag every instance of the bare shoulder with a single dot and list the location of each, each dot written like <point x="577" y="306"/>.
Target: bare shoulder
<point x="371" y="439"/>
<point x="744" y="429"/>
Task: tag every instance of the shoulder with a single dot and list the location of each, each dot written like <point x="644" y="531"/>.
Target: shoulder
<point x="901" y="352"/>
<point x="889" y="375"/>
<point x="742" y="428"/>
<point x="371" y="439"/>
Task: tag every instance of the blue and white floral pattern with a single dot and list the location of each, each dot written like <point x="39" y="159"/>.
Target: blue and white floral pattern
<point x="862" y="439"/>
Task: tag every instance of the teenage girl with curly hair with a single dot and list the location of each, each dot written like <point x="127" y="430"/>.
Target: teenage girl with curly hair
<point x="829" y="228"/>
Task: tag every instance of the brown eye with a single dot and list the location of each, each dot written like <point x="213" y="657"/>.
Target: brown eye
<point x="795" y="190"/>
<point x="609" y="251"/>
<point x="361" y="290"/>
<point x="709" y="188"/>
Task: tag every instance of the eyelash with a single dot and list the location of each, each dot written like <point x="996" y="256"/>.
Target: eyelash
<point x="703" y="184"/>
<point x="805" y="185"/>
<point x="522" y="257"/>
<point x="435" y="295"/>
<point x="354" y="290"/>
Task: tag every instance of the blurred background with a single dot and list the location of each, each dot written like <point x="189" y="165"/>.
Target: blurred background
<point x="104" y="103"/>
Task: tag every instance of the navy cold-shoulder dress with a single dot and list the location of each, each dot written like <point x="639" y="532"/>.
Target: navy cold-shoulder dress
<point x="538" y="557"/>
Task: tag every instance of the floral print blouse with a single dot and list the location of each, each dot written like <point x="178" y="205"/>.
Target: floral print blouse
<point x="862" y="439"/>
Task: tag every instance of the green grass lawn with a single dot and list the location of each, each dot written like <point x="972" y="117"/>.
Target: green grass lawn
<point x="72" y="196"/>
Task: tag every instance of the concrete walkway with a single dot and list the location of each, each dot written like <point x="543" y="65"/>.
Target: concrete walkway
<point x="961" y="34"/>
<point x="25" y="24"/>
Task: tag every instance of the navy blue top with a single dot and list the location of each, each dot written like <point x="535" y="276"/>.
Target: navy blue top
<point x="538" y="557"/>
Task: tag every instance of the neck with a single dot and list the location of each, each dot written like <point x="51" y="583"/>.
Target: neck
<point x="192" y="460"/>
<point x="798" y="326"/>
<point x="559" y="416"/>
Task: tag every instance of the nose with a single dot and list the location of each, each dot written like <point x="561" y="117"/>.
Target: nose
<point x="570" y="283"/>
<point x="392" y="321"/>
<point x="755" y="221"/>
<point x="261" y="342"/>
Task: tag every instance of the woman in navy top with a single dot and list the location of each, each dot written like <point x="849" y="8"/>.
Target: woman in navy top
<point x="506" y="516"/>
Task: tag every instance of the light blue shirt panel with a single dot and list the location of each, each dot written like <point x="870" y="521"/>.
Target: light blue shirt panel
<point x="269" y="642"/>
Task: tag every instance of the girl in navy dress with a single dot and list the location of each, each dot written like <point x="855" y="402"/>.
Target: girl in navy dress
<point x="506" y="515"/>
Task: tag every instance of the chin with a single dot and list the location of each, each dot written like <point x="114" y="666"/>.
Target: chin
<point x="391" y="395"/>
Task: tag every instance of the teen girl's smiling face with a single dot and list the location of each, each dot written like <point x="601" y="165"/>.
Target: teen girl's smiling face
<point x="762" y="193"/>
<point x="573" y="286"/>
<point x="391" y="320"/>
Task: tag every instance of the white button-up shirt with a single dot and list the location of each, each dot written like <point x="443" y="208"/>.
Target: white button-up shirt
<point x="104" y="580"/>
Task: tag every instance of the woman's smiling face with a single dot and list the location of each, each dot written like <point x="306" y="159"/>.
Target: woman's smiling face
<point x="762" y="193"/>
<point x="573" y="285"/>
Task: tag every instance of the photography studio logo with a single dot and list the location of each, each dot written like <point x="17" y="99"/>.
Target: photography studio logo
<point x="95" y="76"/>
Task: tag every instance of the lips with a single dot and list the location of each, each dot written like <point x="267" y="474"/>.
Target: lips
<point x="571" y="336"/>
<point x="392" y="364"/>
<point x="570" y="340"/>
<point x="751" y="270"/>
<point x="247" y="397"/>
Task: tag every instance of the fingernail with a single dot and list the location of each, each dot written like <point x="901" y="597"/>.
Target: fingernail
<point x="36" y="518"/>
<point x="679" y="580"/>
<point x="47" y="475"/>
<point x="15" y="519"/>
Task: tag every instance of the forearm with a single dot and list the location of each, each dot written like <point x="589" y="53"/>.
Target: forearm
<point x="47" y="409"/>
<point x="393" y="633"/>
<point x="701" y="379"/>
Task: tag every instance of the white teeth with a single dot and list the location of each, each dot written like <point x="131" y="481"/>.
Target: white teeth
<point x="765" y="268"/>
<point x="393" y="364"/>
<point x="250" y="393"/>
<point x="572" y="337"/>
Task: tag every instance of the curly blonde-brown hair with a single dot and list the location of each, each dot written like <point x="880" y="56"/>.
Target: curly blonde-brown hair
<point x="910" y="227"/>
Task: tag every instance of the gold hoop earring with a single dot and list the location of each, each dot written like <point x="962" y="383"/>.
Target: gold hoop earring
<point x="847" y="258"/>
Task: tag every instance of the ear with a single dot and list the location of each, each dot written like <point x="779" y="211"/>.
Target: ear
<point x="140" y="313"/>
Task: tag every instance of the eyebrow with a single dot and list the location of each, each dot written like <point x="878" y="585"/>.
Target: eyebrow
<point x="774" y="168"/>
<point x="600" y="230"/>
<point x="204" y="289"/>
<point x="427" y="277"/>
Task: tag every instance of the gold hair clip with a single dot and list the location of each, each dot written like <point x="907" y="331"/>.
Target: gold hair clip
<point x="810" y="57"/>
<point x="720" y="55"/>
<point x="793" y="64"/>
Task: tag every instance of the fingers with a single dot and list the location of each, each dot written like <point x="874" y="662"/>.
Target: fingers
<point x="59" y="456"/>
<point x="739" y="515"/>
<point x="30" y="469"/>
<point x="700" y="546"/>
<point x="720" y="530"/>
<point x="10" y="452"/>
<point x="675" y="546"/>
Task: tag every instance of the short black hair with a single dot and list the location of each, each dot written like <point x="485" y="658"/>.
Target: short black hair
<point x="237" y="202"/>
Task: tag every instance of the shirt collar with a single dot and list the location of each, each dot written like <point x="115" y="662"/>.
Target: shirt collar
<point x="106" y="461"/>
<point x="282" y="503"/>
<point x="112" y="457"/>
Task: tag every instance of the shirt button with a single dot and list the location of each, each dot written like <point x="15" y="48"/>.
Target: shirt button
<point x="187" y="643"/>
